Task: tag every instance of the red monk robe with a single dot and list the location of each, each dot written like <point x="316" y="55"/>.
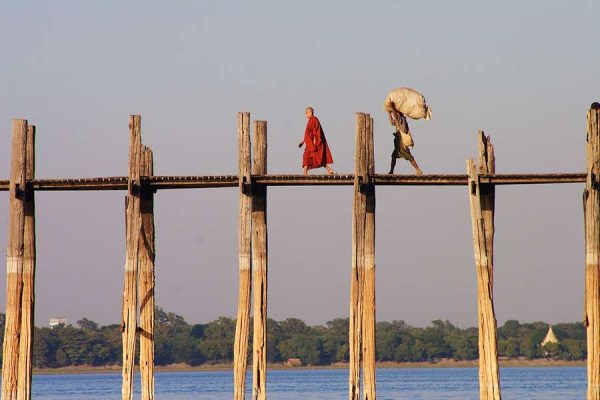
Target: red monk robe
<point x="316" y="152"/>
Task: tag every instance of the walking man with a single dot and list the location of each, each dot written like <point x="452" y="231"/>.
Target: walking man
<point x="402" y="141"/>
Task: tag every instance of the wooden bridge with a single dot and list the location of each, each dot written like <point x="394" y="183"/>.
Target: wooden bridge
<point x="212" y="181"/>
<point x="253" y="181"/>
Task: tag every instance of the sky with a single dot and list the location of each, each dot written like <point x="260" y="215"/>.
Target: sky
<point x="525" y="72"/>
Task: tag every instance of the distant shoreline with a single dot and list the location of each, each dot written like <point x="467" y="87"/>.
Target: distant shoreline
<point x="227" y="367"/>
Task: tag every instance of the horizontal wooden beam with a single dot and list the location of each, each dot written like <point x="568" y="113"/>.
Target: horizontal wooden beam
<point x="209" y="181"/>
<point x="532" y="179"/>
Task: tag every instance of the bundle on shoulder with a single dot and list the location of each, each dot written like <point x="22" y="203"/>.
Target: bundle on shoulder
<point x="408" y="102"/>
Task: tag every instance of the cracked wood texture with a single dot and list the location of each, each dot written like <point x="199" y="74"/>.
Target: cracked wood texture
<point x="368" y="285"/>
<point x="592" y="252"/>
<point x="242" y="328"/>
<point x="487" y="166"/>
<point x="482" y="216"/>
<point x="28" y="294"/>
<point x="259" y="264"/>
<point x="14" y="261"/>
<point x="358" y="248"/>
<point x="146" y="280"/>
<point x="132" y="256"/>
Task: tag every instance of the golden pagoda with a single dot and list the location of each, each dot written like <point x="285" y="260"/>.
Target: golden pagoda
<point x="550" y="337"/>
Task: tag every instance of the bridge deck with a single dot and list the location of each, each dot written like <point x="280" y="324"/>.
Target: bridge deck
<point x="209" y="181"/>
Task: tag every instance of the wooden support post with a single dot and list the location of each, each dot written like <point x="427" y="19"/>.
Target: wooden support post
<point x="358" y="236"/>
<point x="14" y="261"/>
<point x="28" y="295"/>
<point x="592" y="252"/>
<point x="489" y="380"/>
<point x="368" y="294"/>
<point x="132" y="260"/>
<point x="240" y="347"/>
<point x="259" y="264"/>
<point x="146" y="281"/>
<point x="487" y="165"/>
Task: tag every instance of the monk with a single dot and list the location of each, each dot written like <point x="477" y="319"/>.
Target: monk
<point x="316" y="152"/>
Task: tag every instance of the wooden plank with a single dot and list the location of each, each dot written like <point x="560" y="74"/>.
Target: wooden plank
<point x="489" y="382"/>
<point x="259" y="264"/>
<point x="242" y="328"/>
<point x="14" y="261"/>
<point x="592" y="253"/>
<point x="132" y="259"/>
<point x="305" y="180"/>
<point x="29" y="259"/>
<point x="358" y="227"/>
<point x="368" y="294"/>
<point x="194" y="182"/>
<point x="146" y="280"/>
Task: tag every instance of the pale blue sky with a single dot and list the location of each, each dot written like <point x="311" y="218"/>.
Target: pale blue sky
<point x="523" y="71"/>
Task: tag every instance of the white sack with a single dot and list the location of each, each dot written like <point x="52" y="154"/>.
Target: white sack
<point x="407" y="101"/>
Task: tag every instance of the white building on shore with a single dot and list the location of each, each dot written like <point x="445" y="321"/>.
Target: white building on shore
<point x="54" y="322"/>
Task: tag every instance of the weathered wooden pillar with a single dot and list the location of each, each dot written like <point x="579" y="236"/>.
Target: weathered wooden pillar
<point x="132" y="258"/>
<point x="14" y="261"/>
<point x="592" y="252"/>
<point x="368" y="294"/>
<point x="487" y="165"/>
<point x="240" y="347"/>
<point x="259" y="264"/>
<point x="482" y="217"/>
<point x="146" y="280"/>
<point x="28" y="295"/>
<point x="358" y="258"/>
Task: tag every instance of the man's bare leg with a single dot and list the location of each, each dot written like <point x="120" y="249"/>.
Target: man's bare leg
<point x="417" y="169"/>
<point x="393" y="165"/>
<point x="329" y="170"/>
<point x="305" y="170"/>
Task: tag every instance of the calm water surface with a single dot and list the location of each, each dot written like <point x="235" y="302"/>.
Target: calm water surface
<point x="564" y="383"/>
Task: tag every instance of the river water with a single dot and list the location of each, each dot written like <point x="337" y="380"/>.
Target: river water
<point x="547" y="383"/>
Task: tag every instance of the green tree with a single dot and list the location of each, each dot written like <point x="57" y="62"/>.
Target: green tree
<point x="510" y="328"/>
<point x="387" y="339"/>
<point x="45" y="344"/>
<point x="274" y="335"/>
<point x="550" y="350"/>
<point x="573" y="349"/>
<point x="173" y="340"/>
<point x="197" y="331"/>
<point x="217" y="344"/>
<point x="292" y="326"/>
<point x="434" y="339"/>
<point x="305" y="347"/>
<point x="334" y="338"/>
<point x="87" y="324"/>
<point x="509" y="347"/>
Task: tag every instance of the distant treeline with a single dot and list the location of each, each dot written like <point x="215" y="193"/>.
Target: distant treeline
<point x="179" y="342"/>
